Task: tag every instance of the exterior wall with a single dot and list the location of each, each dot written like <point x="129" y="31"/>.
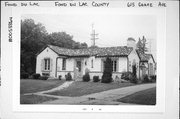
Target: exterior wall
<point x="151" y="69"/>
<point x="122" y="64"/>
<point x="69" y="67"/>
<point x="46" y="53"/>
<point x="98" y="69"/>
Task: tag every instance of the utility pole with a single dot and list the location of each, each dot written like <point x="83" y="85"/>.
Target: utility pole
<point x="93" y="36"/>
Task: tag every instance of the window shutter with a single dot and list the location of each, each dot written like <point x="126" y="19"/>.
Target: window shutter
<point x="51" y="64"/>
<point x="42" y="64"/>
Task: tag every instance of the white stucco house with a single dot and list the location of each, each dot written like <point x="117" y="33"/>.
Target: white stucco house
<point x="55" y="61"/>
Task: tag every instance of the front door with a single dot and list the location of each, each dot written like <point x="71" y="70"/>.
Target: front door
<point x="79" y="68"/>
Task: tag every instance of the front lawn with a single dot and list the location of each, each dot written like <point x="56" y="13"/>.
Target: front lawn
<point x="84" y="88"/>
<point x="145" y="97"/>
<point x="32" y="86"/>
<point x="34" y="99"/>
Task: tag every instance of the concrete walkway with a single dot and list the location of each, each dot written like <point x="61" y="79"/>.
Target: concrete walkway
<point x="102" y="98"/>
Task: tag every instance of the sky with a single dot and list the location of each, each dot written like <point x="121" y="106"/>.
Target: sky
<point x="112" y="29"/>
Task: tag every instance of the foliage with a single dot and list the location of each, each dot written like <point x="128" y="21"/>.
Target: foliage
<point x="24" y="75"/>
<point x="134" y="70"/>
<point x="96" y="79"/>
<point x="153" y="78"/>
<point x="36" y="76"/>
<point x="146" y="79"/>
<point x="44" y="77"/>
<point x="34" y="37"/>
<point x="107" y="74"/>
<point x="126" y="75"/>
<point x="68" y="77"/>
<point x="60" y="77"/>
<point x="86" y="77"/>
<point x="129" y="76"/>
<point x="141" y="45"/>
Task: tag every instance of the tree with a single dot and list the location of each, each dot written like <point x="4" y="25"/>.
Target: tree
<point x="32" y="40"/>
<point x="107" y="74"/>
<point x="34" y="37"/>
<point x="141" y="45"/>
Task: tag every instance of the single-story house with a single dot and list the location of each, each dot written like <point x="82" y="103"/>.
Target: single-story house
<point x="55" y="61"/>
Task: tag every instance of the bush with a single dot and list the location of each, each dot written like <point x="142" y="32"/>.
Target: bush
<point x="134" y="79"/>
<point x="146" y="79"/>
<point x="36" y="76"/>
<point x="153" y="78"/>
<point x="129" y="76"/>
<point x="44" y="77"/>
<point x="96" y="79"/>
<point x="86" y="77"/>
<point x="60" y="77"/>
<point x="24" y="75"/>
<point x="107" y="74"/>
<point x="126" y="75"/>
<point x="68" y="77"/>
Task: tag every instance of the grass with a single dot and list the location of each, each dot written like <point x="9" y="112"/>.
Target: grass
<point x="84" y="88"/>
<point x="145" y="97"/>
<point x="32" y="86"/>
<point x="34" y="99"/>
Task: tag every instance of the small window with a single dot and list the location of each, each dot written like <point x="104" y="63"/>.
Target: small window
<point x="64" y="64"/>
<point x="114" y="63"/>
<point x="92" y="63"/>
<point x="47" y="64"/>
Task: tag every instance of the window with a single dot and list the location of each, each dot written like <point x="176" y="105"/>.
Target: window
<point x="47" y="64"/>
<point x="64" y="64"/>
<point x="114" y="63"/>
<point x="92" y="63"/>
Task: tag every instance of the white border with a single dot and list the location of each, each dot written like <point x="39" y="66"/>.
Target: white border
<point x="161" y="43"/>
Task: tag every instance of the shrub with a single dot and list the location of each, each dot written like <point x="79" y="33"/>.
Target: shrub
<point x="36" y="76"/>
<point x="24" y="75"/>
<point x="44" y="77"/>
<point x="68" y="77"/>
<point x="134" y="79"/>
<point x="153" y="78"/>
<point x="146" y="79"/>
<point x="86" y="77"/>
<point x="96" y="79"/>
<point x="126" y="75"/>
<point x="129" y="76"/>
<point x="107" y="74"/>
<point x="60" y="77"/>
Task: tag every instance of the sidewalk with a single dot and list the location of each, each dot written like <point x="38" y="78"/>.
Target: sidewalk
<point x="106" y="97"/>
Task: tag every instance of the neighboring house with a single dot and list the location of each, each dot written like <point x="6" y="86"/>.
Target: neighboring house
<point x="55" y="61"/>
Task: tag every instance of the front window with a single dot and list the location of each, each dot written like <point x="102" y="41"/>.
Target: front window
<point x="114" y="65"/>
<point x="64" y="64"/>
<point x="92" y="63"/>
<point x="47" y="64"/>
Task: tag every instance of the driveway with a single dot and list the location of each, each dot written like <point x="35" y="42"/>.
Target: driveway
<point x="102" y="98"/>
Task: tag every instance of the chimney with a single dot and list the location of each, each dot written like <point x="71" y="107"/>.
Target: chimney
<point x="131" y="42"/>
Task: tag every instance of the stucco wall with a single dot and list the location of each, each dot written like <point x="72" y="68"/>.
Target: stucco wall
<point x="69" y="67"/>
<point x="122" y="64"/>
<point x="151" y="61"/>
<point x="46" y="53"/>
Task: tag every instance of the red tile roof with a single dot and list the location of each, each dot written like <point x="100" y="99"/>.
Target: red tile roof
<point x="102" y="51"/>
